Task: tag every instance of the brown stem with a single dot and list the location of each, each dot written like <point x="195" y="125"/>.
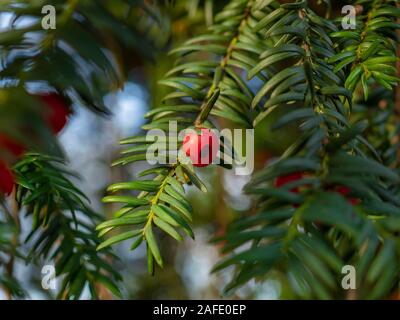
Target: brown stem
<point x="224" y="61"/>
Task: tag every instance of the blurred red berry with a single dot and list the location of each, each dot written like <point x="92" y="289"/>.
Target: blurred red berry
<point x="344" y="191"/>
<point x="12" y="146"/>
<point x="282" y="180"/>
<point x="202" y="147"/>
<point x="57" y="116"/>
<point x="6" y="179"/>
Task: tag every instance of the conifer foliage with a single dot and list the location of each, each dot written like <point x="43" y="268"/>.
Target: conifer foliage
<point x="331" y="199"/>
<point x="43" y="73"/>
<point x="346" y="200"/>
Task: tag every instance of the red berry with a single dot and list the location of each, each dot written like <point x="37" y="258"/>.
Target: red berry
<point x="6" y="179"/>
<point x="354" y="201"/>
<point x="12" y="146"/>
<point x="201" y="148"/>
<point x="282" y="180"/>
<point x="344" y="191"/>
<point x="58" y="114"/>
